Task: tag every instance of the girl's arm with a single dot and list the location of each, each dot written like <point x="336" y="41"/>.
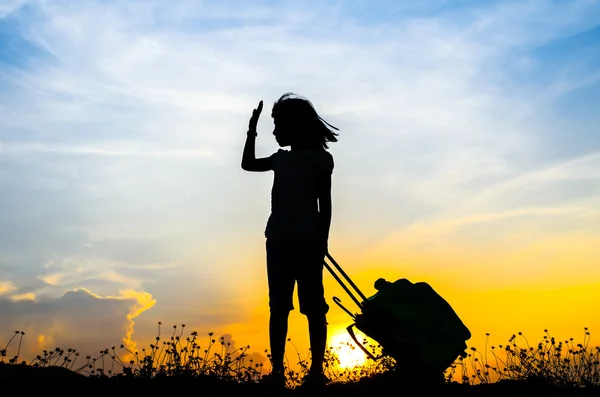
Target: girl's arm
<point x="249" y="160"/>
<point x="324" y="195"/>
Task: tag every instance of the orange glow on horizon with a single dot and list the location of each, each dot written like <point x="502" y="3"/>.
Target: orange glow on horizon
<point x="346" y="351"/>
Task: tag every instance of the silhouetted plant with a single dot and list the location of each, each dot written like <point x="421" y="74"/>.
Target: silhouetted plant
<point x="563" y="364"/>
<point x="4" y="352"/>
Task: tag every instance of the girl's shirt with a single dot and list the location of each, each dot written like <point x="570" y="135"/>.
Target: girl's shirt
<point x="294" y="196"/>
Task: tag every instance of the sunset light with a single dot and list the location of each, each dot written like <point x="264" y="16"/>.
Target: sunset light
<point x="345" y="349"/>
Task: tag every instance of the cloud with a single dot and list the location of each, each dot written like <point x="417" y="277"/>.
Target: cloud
<point x="28" y="296"/>
<point x="6" y="287"/>
<point x="143" y="301"/>
<point x="430" y="231"/>
<point x="71" y="272"/>
<point x="9" y="6"/>
<point x="582" y="169"/>
<point x="565" y="193"/>
<point x="66" y="322"/>
<point x="95" y="151"/>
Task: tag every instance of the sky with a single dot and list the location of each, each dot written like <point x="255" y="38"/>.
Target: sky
<point x="468" y="157"/>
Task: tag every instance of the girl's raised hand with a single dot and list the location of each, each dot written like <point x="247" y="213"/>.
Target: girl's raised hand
<point x="254" y="119"/>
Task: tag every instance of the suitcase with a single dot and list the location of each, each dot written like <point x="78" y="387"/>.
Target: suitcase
<point x="411" y="322"/>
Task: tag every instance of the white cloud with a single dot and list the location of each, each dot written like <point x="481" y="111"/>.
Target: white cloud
<point x="9" y="6"/>
<point x="73" y="272"/>
<point x="583" y="169"/>
<point x="29" y="148"/>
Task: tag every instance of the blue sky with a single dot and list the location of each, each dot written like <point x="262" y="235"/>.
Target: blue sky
<point x="466" y="127"/>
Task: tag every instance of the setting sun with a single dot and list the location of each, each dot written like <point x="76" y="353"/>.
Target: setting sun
<point x="346" y="351"/>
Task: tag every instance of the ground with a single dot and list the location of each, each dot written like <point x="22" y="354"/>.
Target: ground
<point x="26" y="378"/>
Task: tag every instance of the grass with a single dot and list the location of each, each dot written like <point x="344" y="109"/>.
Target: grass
<point x="554" y="363"/>
<point x="557" y="363"/>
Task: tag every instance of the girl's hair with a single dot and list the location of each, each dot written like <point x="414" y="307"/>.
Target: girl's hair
<point x="298" y="114"/>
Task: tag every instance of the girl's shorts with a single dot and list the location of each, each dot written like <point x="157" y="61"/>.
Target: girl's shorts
<point x="291" y="262"/>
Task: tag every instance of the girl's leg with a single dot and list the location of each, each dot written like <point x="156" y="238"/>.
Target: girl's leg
<point x="311" y="296"/>
<point x="278" y="328"/>
<point x="317" y="328"/>
<point x="281" y="288"/>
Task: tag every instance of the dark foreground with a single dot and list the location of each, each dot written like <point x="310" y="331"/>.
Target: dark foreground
<point x="30" y="379"/>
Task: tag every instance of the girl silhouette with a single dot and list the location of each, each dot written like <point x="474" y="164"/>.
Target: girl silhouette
<point x="297" y="229"/>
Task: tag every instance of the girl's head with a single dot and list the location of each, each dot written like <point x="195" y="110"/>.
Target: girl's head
<point x="297" y="123"/>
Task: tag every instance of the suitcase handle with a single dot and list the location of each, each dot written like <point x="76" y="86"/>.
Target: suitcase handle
<point x="350" y="330"/>
<point x="339" y="280"/>
<point x="338" y="302"/>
